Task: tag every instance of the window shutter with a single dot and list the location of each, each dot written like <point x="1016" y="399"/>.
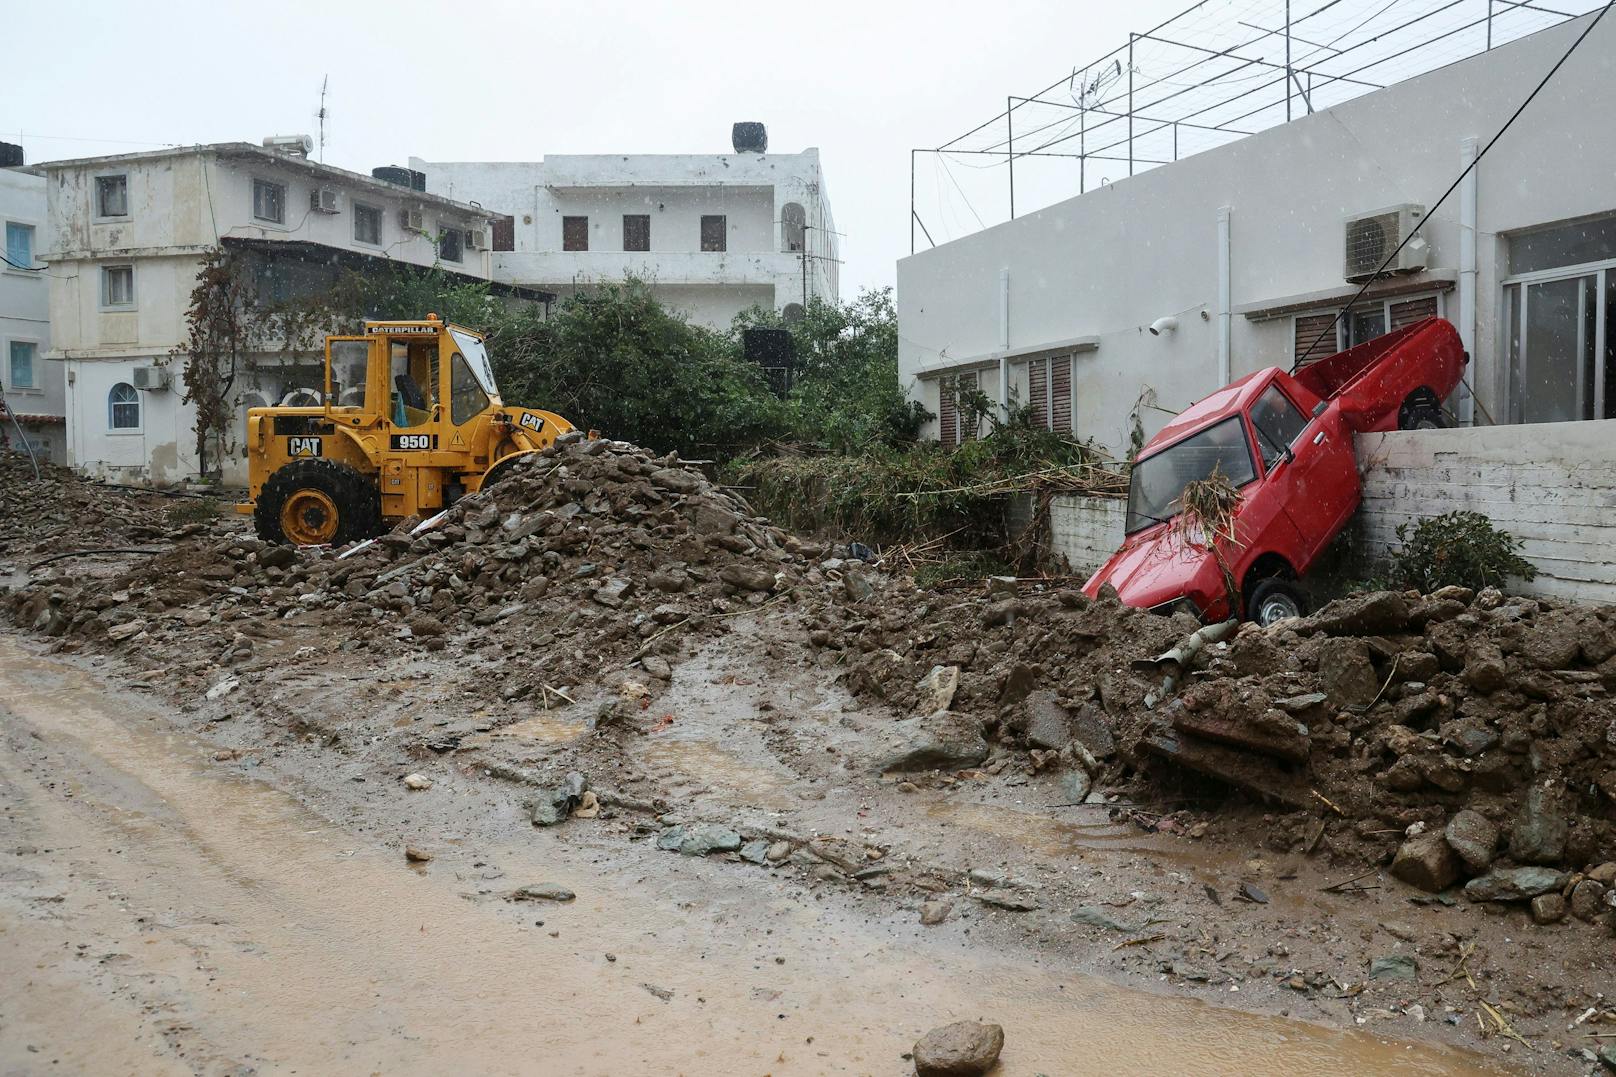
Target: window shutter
<point x="1038" y="392"/>
<point x="947" y="414"/>
<point x="1060" y="388"/>
<point x="1308" y="328"/>
<point x="1410" y="311"/>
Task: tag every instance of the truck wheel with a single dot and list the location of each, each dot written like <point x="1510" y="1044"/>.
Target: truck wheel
<point x="316" y="502"/>
<point x="1422" y="411"/>
<point x="1274" y="599"/>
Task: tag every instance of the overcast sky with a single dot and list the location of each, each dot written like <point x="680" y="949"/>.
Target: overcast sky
<point x="505" y="80"/>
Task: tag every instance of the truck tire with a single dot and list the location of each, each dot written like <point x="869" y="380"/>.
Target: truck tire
<point x="1422" y="411"/>
<point x="317" y="502"/>
<point x="1274" y="599"/>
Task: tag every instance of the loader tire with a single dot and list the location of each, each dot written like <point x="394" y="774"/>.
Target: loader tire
<point x="317" y="502"/>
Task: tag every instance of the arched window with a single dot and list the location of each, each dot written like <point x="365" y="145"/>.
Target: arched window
<point x="123" y="407"/>
<point x="791" y="313"/>
<point x="793" y="227"/>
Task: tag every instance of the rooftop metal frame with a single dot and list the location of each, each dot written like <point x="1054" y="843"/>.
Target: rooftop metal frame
<point x="1224" y="69"/>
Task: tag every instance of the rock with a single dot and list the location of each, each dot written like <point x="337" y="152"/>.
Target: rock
<point x="1394" y="967"/>
<point x="1347" y="674"/>
<point x="1587" y="900"/>
<point x="944" y="740"/>
<point x="1373" y="613"/>
<point x="963" y="1049"/>
<point x="747" y="577"/>
<point x="416" y="855"/>
<point x="1541" y="828"/>
<point x="1604" y="873"/>
<point x="127" y="630"/>
<point x="778" y="851"/>
<point x="1094" y="916"/>
<point x="1011" y="901"/>
<point x="935" y="911"/>
<point x="699" y="839"/>
<point x="277" y="556"/>
<point x="755" y="852"/>
<point x="1548" y="909"/>
<point x="1021" y="680"/>
<point x="1092" y="730"/>
<point x="615" y="591"/>
<point x="855" y="586"/>
<point x="1075" y="786"/>
<point x="424" y="625"/>
<point x="224" y="687"/>
<point x="1427" y="862"/>
<point x="1553" y="641"/>
<point x="657" y="667"/>
<point x="542" y="892"/>
<point x="553" y="805"/>
<point x="1001" y="613"/>
<point x="1484" y="668"/>
<point x="417" y="783"/>
<point x="937" y="689"/>
<point x="1048" y="725"/>
<point x="1607" y="1055"/>
<point x="1474" y="838"/>
<point x="1514" y="884"/>
<point x="678" y="480"/>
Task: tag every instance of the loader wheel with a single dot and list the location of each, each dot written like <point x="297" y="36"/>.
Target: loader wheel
<point x="501" y="469"/>
<point x="1274" y="599"/>
<point x="316" y="502"/>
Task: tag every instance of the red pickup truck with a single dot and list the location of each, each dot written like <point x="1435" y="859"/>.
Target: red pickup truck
<point x="1285" y="441"/>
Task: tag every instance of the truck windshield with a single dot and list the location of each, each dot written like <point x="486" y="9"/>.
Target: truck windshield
<point x="1158" y="480"/>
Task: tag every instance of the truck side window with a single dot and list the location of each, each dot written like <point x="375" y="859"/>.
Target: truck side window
<point x="1278" y="423"/>
<point x="466" y="398"/>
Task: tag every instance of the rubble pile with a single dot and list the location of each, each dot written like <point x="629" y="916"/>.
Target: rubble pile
<point x="588" y="554"/>
<point x="59" y="511"/>
<point x="1461" y="736"/>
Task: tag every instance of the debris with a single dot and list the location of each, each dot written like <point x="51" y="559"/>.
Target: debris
<point x="542" y="892"/>
<point x="1474" y="837"/>
<point x="943" y="740"/>
<point x="416" y="855"/>
<point x="1427" y="862"/>
<point x="223" y="688"/>
<point x="963" y="1049"/>
<point x="1093" y="916"/>
<point x="1393" y="967"/>
<point x="417" y="782"/>
<point x="1514" y="884"/>
<point x="554" y="805"/>
<point x="935" y="911"/>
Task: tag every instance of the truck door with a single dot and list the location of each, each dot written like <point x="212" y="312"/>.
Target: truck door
<point x="1310" y="467"/>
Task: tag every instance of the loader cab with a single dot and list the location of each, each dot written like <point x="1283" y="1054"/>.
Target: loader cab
<point x="409" y="376"/>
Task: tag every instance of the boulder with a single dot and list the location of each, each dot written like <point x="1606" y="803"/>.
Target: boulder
<point x="1047" y="723"/>
<point x="1474" y="838"/>
<point x="1514" y="884"/>
<point x="1427" y="862"/>
<point x="963" y="1049"/>
<point x="1540" y="830"/>
<point x="1548" y="909"/>
<point x="747" y="577"/>
<point x="1347" y="674"/>
<point x="943" y="740"/>
<point x="1374" y="613"/>
<point x="1587" y="900"/>
<point x="699" y="839"/>
<point x="937" y="689"/>
<point x="1553" y="641"/>
<point x="1484" y="668"/>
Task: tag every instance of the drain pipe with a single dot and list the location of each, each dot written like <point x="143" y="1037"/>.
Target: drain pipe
<point x="1004" y="344"/>
<point x="1465" y="406"/>
<point x="1225" y="325"/>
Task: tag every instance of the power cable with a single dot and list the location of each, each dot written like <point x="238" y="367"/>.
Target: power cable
<point x="1331" y="328"/>
<point x="26" y="269"/>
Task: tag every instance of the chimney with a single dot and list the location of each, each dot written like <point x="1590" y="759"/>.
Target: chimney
<point x="749" y="137"/>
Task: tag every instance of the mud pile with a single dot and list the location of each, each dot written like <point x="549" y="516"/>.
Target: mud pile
<point x="590" y="555"/>
<point x="1468" y="736"/>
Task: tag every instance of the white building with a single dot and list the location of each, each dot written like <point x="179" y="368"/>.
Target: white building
<point x="34" y="389"/>
<point x="714" y="234"/>
<point x="126" y="237"/>
<point x="1243" y="246"/>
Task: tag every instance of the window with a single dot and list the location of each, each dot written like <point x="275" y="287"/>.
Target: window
<point x="714" y="233"/>
<point x="112" y="196"/>
<point x="20" y="245"/>
<point x="636" y="231"/>
<point x="118" y="286"/>
<point x="414" y="372"/>
<point x="1559" y="325"/>
<point x="367" y="224"/>
<point x="793" y="227"/>
<point x="269" y="201"/>
<point x="1157" y="482"/>
<point x="466" y="398"/>
<point x="123" y="407"/>
<point x="1368" y="320"/>
<point x="1049" y="393"/>
<point x="23" y="353"/>
<point x="575" y="233"/>
<point x="1278" y="423"/>
<point x="450" y="244"/>
<point x="350" y="364"/>
<point x="956" y="419"/>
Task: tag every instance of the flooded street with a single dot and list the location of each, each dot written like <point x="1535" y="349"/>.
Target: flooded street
<point x="158" y="914"/>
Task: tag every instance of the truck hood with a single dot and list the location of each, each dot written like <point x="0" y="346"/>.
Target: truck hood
<point x="1152" y="567"/>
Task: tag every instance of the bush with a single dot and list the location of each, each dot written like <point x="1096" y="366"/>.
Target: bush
<point x="1456" y="548"/>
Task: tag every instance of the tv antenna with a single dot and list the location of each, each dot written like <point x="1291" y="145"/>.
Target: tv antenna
<point x="323" y="113"/>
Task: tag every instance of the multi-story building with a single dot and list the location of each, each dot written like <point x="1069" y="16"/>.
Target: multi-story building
<point x="126" y="238"/>
<point x="713" y="234"/>
<point x="33" y="389"/>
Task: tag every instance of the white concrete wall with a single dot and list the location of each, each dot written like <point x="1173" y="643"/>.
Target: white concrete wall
<point x="25" y="316"/>
<point x="1085" y="530"/>
<point x="181" y="204"/>
<point x="675" y="191"/>
<point x="1551" y="485"/>
<point x="1109" y="262"/>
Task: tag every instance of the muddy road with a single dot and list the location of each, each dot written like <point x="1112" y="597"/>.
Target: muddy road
<point x="165" y="908"/>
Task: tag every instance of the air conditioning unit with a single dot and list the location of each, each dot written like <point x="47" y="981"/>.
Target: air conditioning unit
<point x="151" y="378"/>
<point x="1371" y="238"/>
<point x="412" y="220"/>
<point x="323" y="200"/>
<point x="477" y="239"/>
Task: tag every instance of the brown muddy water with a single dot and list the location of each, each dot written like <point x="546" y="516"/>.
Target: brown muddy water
<point x="160" y="913"/>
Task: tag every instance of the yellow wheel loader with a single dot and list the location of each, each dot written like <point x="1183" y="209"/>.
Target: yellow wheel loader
<point x="409" y="420"/>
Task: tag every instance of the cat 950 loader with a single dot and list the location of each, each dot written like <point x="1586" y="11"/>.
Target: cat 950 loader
<point x="409" y="419"/>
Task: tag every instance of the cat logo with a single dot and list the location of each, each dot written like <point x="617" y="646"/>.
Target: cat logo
<point x="304" y="447"/>
<point x="531" y="422"/>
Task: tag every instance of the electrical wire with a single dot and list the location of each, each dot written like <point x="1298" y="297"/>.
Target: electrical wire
<point x="25" y="269"/>
<point x="1455" y="185"/>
